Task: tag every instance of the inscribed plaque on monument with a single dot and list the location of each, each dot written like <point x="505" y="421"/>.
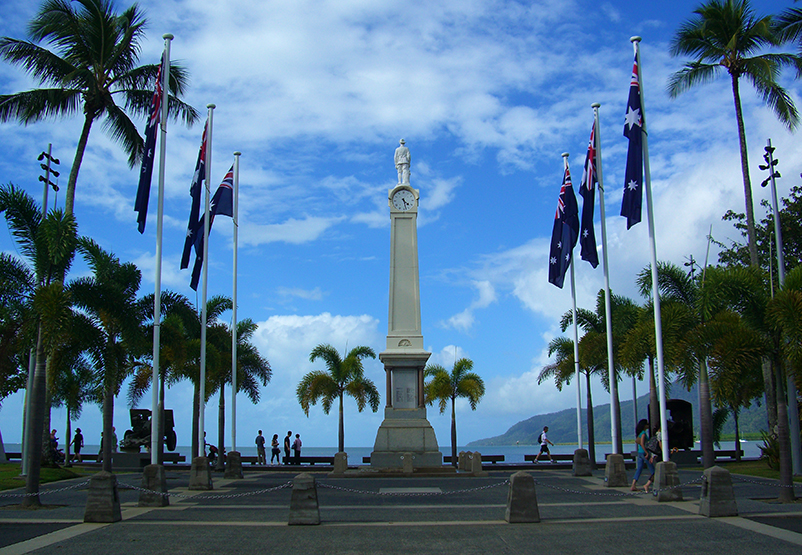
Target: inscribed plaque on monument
<point x="405" y="389"/>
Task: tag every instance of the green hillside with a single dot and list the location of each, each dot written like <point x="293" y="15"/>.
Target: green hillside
<point x="562" y="424"/>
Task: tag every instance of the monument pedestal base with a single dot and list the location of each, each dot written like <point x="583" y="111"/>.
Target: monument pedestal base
<point x="405" y="431"/>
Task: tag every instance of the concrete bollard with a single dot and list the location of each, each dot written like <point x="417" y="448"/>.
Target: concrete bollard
<point x="407" y="465"/>
<point x="200" y="475"/>
<point x="304" y="508"/>
<point x="522" y="499"/>
<point x="582" y="463"/>
<point x="233" y="465"/>
<point x="718" y="497"/>
<point x="476" y="465"/>
<point x="340" y="463"/>
<point x="103" y="500"/>
<point x="666" y="478"/>
<point x="154" y="479"/>
<point x="462" y="461"/>
<point x="615" y="472"/>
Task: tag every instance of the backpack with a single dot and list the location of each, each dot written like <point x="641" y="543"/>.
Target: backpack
<point x="540" y="438"/>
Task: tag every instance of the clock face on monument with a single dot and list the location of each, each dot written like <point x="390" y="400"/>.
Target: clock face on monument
<point x="404" y="200"/>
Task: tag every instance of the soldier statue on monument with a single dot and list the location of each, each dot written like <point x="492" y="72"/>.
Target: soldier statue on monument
<point x="402" y="160"/>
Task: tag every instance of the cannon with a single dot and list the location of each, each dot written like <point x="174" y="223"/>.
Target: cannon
<point x="139" y="434"/>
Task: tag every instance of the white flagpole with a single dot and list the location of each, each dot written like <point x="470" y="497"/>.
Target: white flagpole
<point x="235" y="221"/>
<point x="155" y="418"/>
<point x="576" y="345"/>
<point x="658" y="324"/>
<point x="608" y="317"/>
<point x="201" y="419"/>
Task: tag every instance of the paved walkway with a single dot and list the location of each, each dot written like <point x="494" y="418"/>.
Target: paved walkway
<point x="373" y="515"/>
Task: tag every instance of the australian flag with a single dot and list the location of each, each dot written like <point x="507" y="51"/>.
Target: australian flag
<point x="143" y="191"/>
<point x="223" y="205"/>
<point x="565" y="232"/>
<point x="195" y="193"/>
<point x="587" y="236"/>
<point x="633" y="130"/>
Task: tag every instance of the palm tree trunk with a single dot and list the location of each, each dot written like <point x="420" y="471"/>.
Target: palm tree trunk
<point x="591" y="432"/>
<point x="735" y="414"/>
<point x="47" y="452"/>
<point x="196" y="447"/>
<point x="453" y="432"/>
<point x="69" y="200"/>
<point x="750" y="213"/>
<point x="654" y="405"/>
<point x="108" y="419"/>
<point x="35" y="427"/>
<point x="784" y="440"/>
<point x="67" y="440"/>
<point x="617" y="409"/>
<point x="160" y="408"/>
<point x="341" y="429"/>
<point x="221" y="429"/>
<point x="770" y="395"/>
<point x="706" y="417"/>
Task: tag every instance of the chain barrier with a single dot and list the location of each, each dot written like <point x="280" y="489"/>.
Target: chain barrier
<point x="205" y="496"/>
<point x="412" y="493"/>
<point x="772" y="483"/>
<point x="654" y="491"/>
<point x="46" y="492"/>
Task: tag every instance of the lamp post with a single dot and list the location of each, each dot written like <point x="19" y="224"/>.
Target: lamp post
<point x="793" y="410"/>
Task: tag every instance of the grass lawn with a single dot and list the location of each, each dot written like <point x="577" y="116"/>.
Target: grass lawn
<point x="759" y="469"/>
<point x="10" y="478"/>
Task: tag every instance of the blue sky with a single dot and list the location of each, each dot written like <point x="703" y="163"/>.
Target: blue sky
<point x="487" y="94"/>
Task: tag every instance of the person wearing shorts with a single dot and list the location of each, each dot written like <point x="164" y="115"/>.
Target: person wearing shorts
<point x="544" y="445"/>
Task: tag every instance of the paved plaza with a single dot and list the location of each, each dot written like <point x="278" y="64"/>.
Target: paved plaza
<point x="405" y="515"/>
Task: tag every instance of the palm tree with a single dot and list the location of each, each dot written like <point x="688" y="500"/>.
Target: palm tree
<point x="252" y="370"/>
<point x="342" y="376"/>
<point x="93" y="61"/>
<point x="178" y="317"/>
<point x="445" y="387"/>
<point x="49" y="244"/>
<point x="108" y="299"/>
<point x="727" y="35"/>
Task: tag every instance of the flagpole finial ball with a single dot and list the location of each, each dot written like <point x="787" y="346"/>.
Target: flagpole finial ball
<point x="565" y="155"/>
<point x="635" y="39"/>
<point x="211" y="106"/>
<point x="168" y="36"/>
<point x="595" y="105"/>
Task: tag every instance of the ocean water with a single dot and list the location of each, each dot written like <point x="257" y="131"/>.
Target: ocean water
<point x="512" y="453"/>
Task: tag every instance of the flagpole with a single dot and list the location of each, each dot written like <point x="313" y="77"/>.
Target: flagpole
<point x="202" y="378"/>
<point x="155" y="418"/>
<point x="576" y="343"/>
<point x="658" y="324"/>
<point x="608" y="317"/>
<point x="235" y="221"/>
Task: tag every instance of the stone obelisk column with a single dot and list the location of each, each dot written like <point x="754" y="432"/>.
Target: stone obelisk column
<point x="405" y="429"/>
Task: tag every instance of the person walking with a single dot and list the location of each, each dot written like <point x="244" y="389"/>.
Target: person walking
<point x="296" y="448"/>
<point x="544" y="444"/>
<point x="287" y="441"/>
<point x="275" y="452"/>
<point x="77" y="443"/>
<point x="260" y="449"/>
<point x="644" y="457"/>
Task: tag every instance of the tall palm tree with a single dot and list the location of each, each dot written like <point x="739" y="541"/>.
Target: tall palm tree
<point x="445" y="387"/>
<point x="94" y="59"/>
<point x="49" y="244"/>
<point x="252" y="371"/>
<point x="108" y="299"/>
<point x="726" y="35"/>
<point x="342" y="376"/>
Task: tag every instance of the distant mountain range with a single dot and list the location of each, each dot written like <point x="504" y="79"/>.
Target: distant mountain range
<point x="562" y="424"/>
